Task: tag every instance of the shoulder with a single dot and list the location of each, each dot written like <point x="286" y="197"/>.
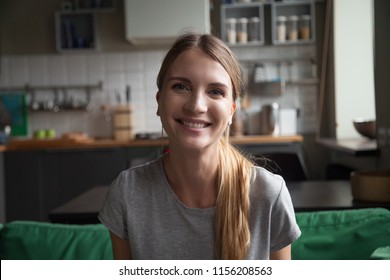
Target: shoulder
<point x="139" y="177"/>
<point x="266" y="186"/>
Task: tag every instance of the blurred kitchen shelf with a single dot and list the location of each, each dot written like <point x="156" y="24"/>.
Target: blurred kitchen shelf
<point x="303" y="82"/>
<point x="99" y="6"/>
<point x="267" y="12"/>
<point x="56" y="106"/>
<point x="76" y="26"/>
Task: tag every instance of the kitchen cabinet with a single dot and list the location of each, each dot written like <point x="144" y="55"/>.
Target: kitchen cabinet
<point x="253" y="13"/>
<point x="76" y="27"/>
<point x="274" y="16"/>
<point x="299" y="25"/>
<point x="160" y="22"/>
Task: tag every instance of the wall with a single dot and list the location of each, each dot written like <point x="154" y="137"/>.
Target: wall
<point x="354" y="58"/>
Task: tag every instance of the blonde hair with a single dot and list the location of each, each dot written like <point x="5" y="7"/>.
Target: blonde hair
<point x="232" y="232"/>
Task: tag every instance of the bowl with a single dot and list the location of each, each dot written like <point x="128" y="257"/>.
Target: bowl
<point x="366" y="128"/>
<point x="373" y="186"/>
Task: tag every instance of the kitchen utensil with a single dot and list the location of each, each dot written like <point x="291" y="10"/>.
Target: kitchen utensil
<point x="366" y="128"/>
<point x="269" y="118"/>
<point x="371" y="185"/>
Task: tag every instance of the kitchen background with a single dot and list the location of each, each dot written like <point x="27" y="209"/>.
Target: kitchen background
<point x="29" y="57"/>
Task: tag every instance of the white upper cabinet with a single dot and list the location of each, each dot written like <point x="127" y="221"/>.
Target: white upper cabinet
<point x="161" y="21"/>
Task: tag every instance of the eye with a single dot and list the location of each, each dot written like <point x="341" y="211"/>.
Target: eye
<point x="217" y="93"/>
<point x="180" y="87"/>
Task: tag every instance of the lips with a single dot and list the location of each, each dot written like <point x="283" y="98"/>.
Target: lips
<point x="194" y="123"/>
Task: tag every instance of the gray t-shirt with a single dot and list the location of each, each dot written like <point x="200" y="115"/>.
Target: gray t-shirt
<point x="142" y="208"/>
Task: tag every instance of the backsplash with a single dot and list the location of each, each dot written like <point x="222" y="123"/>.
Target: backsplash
<point x="138" y="69"/>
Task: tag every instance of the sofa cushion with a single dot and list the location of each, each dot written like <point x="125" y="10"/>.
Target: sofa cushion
<point x="337" y="235"/>
<point x="46" y="241"/>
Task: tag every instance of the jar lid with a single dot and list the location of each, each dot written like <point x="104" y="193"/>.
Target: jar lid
<point x="254" y="19"/>
<point x="293" y="18"/>
<point x="281" y="18"/>
<point x="231" y="20"/>
<point x="242" y="20"/>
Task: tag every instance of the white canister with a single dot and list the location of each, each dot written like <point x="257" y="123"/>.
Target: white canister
<point x="242" y="30"/>
<point x="254" y="29"/>
<point x="231" y="33"/>
<point x="281" y="29"/>
<point x="293" y="28"/>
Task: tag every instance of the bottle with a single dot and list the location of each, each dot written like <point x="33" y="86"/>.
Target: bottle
<point x="293" y="28"/>
<point x="242" y="30"/>
<point x="304" y="27"/>
<point x="254" y="29"/>
<point x="281" y="28"/>
<point x="231" y="33"/>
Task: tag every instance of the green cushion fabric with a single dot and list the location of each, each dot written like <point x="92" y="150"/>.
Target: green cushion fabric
<point x="338" y="235"/>
<point x="382" y="253"/>
<point x="45" y="241"/>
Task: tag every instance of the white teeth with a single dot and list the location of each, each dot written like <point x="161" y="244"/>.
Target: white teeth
<point x="194" y="125"/>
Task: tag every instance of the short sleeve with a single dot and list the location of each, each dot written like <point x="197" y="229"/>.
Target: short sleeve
<point x="113" y="212"/>
<point x="284" y="228"/>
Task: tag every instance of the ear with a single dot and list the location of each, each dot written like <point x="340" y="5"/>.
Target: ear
<point x="234" y="107"/>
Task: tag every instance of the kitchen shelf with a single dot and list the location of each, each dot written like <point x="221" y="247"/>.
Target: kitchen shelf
<point x="56" y="104"/>
<point x="268" y="11"/>
<point x="76" y="26"/>
<point x="243" y="10"/>
<point x="293" y="8"/>
<point x="99" y="6"/>
<point x="76" y="31"/>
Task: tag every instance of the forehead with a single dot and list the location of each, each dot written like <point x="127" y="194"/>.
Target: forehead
<point x="197" y="64"/>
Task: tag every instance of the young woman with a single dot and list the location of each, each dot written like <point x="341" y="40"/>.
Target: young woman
<point x="203" y="199"/>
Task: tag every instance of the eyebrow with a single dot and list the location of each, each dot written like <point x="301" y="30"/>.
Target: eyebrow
<point x="216" y="84"/>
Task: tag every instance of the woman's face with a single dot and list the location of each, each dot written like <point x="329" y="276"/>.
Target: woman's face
<point x="196" y="101"/>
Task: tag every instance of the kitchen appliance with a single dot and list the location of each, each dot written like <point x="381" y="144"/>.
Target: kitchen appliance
<point x="276" y="120"/>
<point x="269" y="119"/>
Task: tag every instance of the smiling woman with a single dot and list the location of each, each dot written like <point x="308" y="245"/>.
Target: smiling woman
<point x="203" y="199"/>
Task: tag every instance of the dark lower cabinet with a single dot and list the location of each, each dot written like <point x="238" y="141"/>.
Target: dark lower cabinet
<point x="23" y="186"/>
<point x="36" y="182"/>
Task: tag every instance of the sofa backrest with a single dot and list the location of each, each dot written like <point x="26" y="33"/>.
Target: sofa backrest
<point x="342" y="234"/>
<point x="336" y="235"/>
<point x="45" y="241"/>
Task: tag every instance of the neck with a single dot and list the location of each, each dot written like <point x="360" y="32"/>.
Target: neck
<point x="193" y="177"/>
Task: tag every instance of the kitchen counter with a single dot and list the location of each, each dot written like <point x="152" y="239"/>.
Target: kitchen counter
<point x="30" y="144"/>
<point x="358" y="147"/>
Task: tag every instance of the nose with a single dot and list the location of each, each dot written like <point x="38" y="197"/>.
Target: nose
<point x="196" y="102"/>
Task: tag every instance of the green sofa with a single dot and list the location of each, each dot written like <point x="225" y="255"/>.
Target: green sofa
<point x="342" y="234"/>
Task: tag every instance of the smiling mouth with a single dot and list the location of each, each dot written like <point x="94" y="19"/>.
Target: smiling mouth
<point x="194" y="124"/>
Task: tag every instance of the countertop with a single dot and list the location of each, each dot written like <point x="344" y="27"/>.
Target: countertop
<point x="361" y="146"/>
<point x="30" y="144"/>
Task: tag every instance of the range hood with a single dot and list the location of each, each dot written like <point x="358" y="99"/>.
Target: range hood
<point x="161" y="21"/>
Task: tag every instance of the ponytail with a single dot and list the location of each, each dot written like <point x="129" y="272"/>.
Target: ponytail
<point x="232" y="207"/>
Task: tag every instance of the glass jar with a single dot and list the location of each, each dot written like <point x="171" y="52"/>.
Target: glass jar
<point x="304" y="27"/>
<point x="231" y="33"/>
<point x="281" y="28"/>
<point x="242" y="30"/>
<point x="254" y="29"/>
<point x="292" y="28"/>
